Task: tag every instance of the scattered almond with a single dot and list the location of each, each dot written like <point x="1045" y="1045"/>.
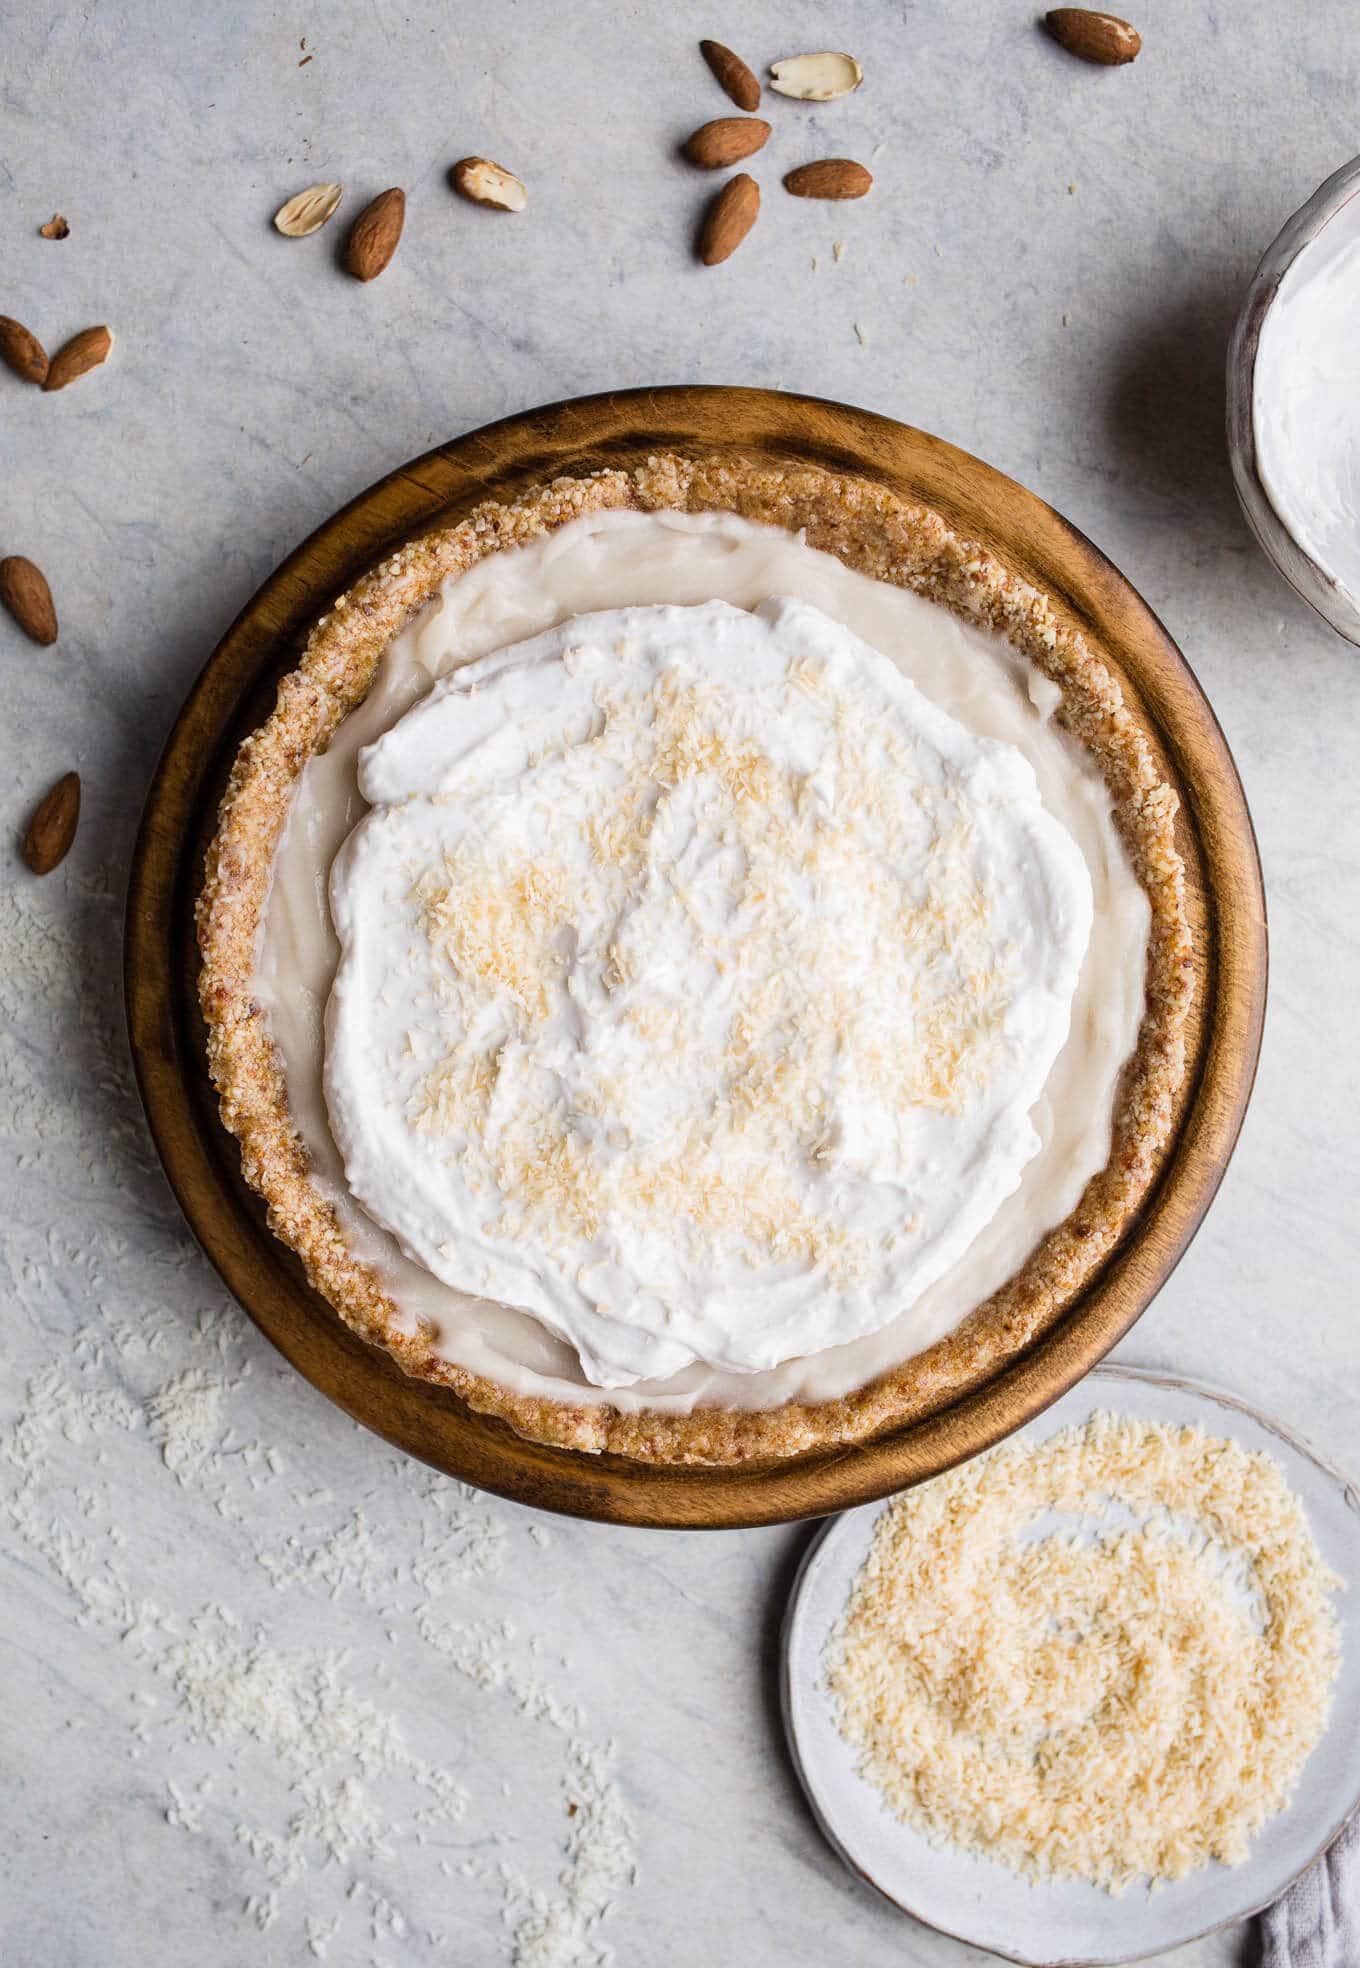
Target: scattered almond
<point x="816" y="78"/>
<point x="53" y="826"/>
<point x="374" y="235"/>
<point x="491" y="184"/>
<point x="56" y="227"/>
<point x="1094" y="37"/>
<point x="308" y="211"/>
<point x="726" y="140"/>
<point x="732" y="75"/>
<point x="728" y="219"/>
<point x="75" y="358"/>
<point x="22" y="350"/>
<point x="25" y="593"/>
<point x="829" y="177"/>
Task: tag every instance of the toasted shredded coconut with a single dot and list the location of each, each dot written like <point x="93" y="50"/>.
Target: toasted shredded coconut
<point x="1130" y="1692"/>
<point x="764" y="1085"/>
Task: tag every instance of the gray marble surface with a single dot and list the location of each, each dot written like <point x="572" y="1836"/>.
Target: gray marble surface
<point x="246" y="1651"/>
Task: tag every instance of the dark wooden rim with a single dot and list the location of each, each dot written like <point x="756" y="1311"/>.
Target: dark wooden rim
<point x="234" y="693"/>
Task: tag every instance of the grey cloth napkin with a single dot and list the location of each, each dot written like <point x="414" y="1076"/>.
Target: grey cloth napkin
<point x="1317" y="1923"/>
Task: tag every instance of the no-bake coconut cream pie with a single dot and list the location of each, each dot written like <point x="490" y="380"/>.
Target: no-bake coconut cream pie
<point x="696" y="962"/>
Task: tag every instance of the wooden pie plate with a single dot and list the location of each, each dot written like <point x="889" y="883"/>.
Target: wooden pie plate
<point x="235" y="693"/>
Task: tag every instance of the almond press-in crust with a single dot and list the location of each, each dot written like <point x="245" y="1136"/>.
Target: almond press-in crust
<point x="870" y="529"/>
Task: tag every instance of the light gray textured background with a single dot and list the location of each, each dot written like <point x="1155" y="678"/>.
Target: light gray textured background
<point x="1045" y="273"/>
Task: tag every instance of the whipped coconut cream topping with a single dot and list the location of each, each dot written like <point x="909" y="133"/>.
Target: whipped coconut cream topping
<point x="624" y="560"/>
<point x="1306" y="400"/>
<point x="697" y="978"/>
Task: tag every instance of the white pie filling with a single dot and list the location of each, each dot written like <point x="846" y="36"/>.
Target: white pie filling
<point x="714" y="1003"/>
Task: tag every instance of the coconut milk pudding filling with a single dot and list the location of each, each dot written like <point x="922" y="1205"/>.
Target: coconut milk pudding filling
<point x="696" y="974"/>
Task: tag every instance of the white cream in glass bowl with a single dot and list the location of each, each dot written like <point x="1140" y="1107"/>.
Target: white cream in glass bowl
<point x="1294" y="402"/>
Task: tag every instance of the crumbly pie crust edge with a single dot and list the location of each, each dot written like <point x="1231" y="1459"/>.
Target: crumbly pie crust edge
<point x="869" y="528"/>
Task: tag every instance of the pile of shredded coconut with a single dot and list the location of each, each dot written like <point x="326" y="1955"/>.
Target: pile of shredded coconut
<point x="1130" y="1690"/>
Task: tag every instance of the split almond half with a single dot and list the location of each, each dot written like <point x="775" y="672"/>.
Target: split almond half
<point x="816" y="78"/>
<point x="53" y="826"/>
<point x="490" y="184"/>
<point x="829" y="177"/>
<point x="375" y="233"/>
<point x="1093" y="36"/>
<point x="308" y="211"/>
<point x="25" y="593"/>
<point x="731" y="74"/>
<point x="22" y="350"/>
<point x="77" y="357"/>
<point x="726" y="140"/>
<point x="728" y="219"/>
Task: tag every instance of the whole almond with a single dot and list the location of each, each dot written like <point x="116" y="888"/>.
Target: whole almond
<point x="1094" y="37"/>
<point x="829" y="177"/>
<point x="53" y="826"/>
<point x="732" y="75"/>
<point x="490" y="184"/>
<point x="307" y="211"/>
<point x="373" y="236"/>
<point x="26" y="595"/>
<point x="728" y="219"/>
<point x="726" y="140"/>
<point x="73" y="359"/>
<point x="23" y="351"/>
<point x="816" y="78"/>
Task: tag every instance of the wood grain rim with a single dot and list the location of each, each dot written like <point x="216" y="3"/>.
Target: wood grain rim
<point x="234" y="693"/>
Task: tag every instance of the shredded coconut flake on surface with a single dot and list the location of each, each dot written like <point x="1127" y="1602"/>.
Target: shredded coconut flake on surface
<point x="201" y="1565"/>
<point x="186" y="1419"/>
<point x="1129" y="1692"/>
<point x="326" y="1767"/>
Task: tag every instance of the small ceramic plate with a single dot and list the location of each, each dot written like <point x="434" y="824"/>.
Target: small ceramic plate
<point x="1068" y="1922"/>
